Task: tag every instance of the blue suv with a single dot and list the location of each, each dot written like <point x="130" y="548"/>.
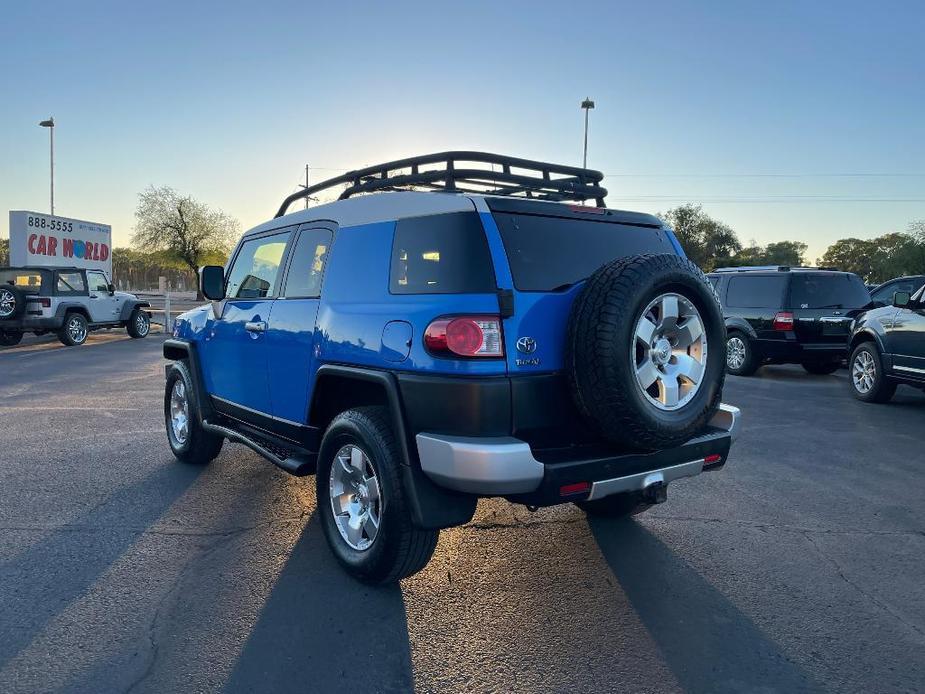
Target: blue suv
<point x="455" y="326"/>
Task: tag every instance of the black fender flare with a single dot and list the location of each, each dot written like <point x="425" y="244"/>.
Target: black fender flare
<point x="183" y="350"/>
<point x="130" y="306"/>
<point x="868" y="334"/>
<point x="741" y="325"/>
<point x="432" y="507"/>
<point x="65" y="307"/>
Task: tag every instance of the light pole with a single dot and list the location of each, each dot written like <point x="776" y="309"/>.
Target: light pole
<point x="50" y="124"/>
<point x="587" y="105"/>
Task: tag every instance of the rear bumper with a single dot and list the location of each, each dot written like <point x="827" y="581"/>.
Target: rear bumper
<point x="794" y="351"/>
<point x="506" y="466"/>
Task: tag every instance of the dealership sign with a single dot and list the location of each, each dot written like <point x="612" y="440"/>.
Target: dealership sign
<point x="44" y="239"/>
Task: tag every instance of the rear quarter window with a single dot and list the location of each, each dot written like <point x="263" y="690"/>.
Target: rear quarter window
<point x="441" y="254"/>
<point x="756" y="292"/>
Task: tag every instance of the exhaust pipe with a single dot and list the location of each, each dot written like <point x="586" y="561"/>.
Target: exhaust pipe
<point x="655" y="493"/>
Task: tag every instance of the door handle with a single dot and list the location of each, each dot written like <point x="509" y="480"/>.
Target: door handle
<point x="255" y="326"/>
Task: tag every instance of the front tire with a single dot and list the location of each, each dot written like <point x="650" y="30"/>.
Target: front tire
<point x="615" y="506"/>
<point x="139" y="324"/>
<point x="741" y="359"/>
<point x="189" y="442"/>
<point x="867" y="380"/>
<point x="364" y="514"/>
<point x="8" y="339"/>
<point x="74" y="331"/>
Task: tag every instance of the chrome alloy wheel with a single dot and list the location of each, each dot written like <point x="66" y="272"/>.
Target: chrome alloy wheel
<point x="355" y="501"/>
<point x="142" y="324"/>
<point x="77" y="329"/>
<point x="669" y="351"/>
<point x="735" y="352"/>
<point x="7" y="303"/>
<point x="863" y="372"/>
<point x="179" y="412"/>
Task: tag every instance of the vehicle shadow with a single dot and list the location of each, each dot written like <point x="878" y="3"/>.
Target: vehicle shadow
<point x="320" y="630"/>
<point x="51" y="574"/>
<point x="707" y="642"/>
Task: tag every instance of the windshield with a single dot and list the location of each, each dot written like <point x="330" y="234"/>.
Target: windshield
<point x="830" y="290"/>
<point x="548" y="253"/>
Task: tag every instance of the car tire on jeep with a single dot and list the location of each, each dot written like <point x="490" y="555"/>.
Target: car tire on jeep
<point x="645" y="359"/>
<point x="189" y="442"/>
<point x="9" y="339"/>
<point x="139" y="324"/>
<point x="360" y="497"/>
<point x="74" y="330"/>
<point x="12" y="302"/>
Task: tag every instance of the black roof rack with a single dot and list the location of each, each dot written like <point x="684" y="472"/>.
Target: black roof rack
<point x="454" y="172"/>
<point x="773" y="268"/>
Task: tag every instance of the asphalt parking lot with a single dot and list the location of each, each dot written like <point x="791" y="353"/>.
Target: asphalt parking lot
<point x="797" y="568"/>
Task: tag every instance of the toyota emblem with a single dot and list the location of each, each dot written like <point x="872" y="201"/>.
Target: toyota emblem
<point x="527" y="345"/>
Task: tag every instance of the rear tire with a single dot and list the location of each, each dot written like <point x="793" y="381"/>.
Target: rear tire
<point x="12" y="302"/>
<point x="189" y="442"/>
<point x="821" y="368"/>
<point x="866" y="378"/>
<point x="359" y="467"/>
<point x="8" y="339"/>
<point x="615" y="506"/>
<point x="741" y="359"/>
<point x="74" y="331"/>
<point x="139" y="324"/>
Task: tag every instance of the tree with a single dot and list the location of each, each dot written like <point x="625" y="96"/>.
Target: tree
<point x="183" y="229"/>
<point x="852" y="255"/>
<point x="704" y="239"/>
<point x="4" y="252"/>
<point x="784" y="253"/>
<point x="877" y="260"/>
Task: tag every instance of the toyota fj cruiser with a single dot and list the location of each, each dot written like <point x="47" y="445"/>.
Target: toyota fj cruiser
<point x="68" y="301"/>
<point x="483" y="334"/>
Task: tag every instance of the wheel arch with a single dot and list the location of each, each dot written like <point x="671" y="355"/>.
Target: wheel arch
<point x="742" y="326"/>
<point x="66" y="308"/>
<point x="338" y="388"/>
<point x="865" y="335"/>
<point x="129" y="306"/>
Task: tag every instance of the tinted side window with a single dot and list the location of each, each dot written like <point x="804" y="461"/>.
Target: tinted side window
<point x="756" y="292"/>
<point x="441" y="254"/>
<point x="70" y="283"/>
<point x="885" y="294"/>
<point x="307" y="265"/>
<point x="256" y="267"/>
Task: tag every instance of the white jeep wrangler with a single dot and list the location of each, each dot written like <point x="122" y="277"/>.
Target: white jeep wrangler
<point x="69" y="301"/>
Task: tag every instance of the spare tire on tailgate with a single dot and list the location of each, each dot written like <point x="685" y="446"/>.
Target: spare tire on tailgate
<point x="646" y="351"/>
<point x="12" y="302"/>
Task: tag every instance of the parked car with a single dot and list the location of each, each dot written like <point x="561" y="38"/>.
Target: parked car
<point x="787" y="315"/>
<point x="419" y="350"/>
<point x="888" y="347"/>
<point x="882" y="295"/>
<point x="68" y="301"/>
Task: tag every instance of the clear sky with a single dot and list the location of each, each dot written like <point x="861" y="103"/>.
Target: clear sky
<point x="774" y="115"/>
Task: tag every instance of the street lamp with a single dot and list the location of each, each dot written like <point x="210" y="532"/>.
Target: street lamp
<point x="50" y="124"/>
<point x="587" y="105"/>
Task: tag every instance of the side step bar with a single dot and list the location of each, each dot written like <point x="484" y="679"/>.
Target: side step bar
<point x="298" y="465"/>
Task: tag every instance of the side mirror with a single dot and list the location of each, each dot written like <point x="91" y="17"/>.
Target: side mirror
<point x="901" y="299"/>
<point x="212" y="282"/>
<point x="111" y="288"/>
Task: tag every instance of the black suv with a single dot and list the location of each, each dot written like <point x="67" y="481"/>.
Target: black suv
<point x="888" y="347"/>
<point x="784" y="315"/>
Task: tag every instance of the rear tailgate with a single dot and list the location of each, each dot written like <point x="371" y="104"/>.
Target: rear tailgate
<point x="823" y="304"/>
<point x="551" y="249"/>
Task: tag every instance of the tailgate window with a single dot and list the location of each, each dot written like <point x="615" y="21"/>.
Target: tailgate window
<point x="834" y="290"/>
<point x="548" y="253"/>
<point x="29" y="282"/>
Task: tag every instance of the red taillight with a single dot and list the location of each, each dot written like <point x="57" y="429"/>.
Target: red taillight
<point x="710" y="459"/>
<point x="577" y="488"/>
<point x="41" y="301"/>
<point x="465" y="336"/>
<point x="783" y="320"/>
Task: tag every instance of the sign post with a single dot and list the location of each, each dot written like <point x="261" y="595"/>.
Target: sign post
<point x="48" y="240"/>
